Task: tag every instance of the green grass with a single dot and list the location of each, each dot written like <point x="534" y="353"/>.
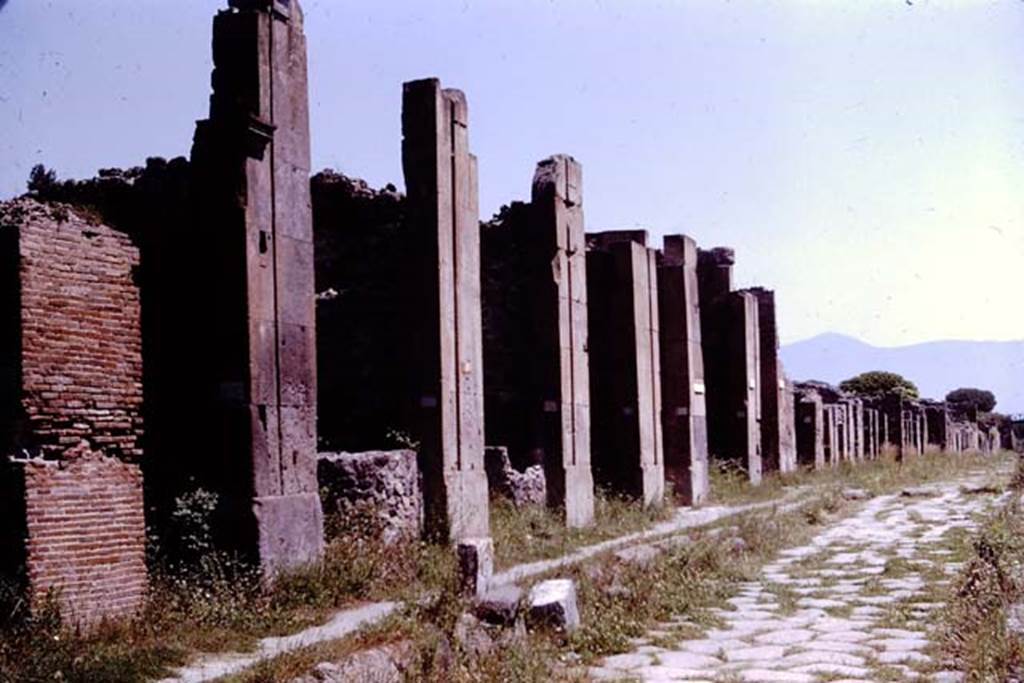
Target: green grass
<point x="730" y="485"/>
<point x="534" y="533"/>
<point x="220" y="605"/>
<point x="975" y="637"/>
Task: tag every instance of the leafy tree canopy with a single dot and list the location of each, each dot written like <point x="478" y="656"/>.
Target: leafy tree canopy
<point x="878" y="383"/>
<point x="41" y="180"/>
<point x="966" y="398"/>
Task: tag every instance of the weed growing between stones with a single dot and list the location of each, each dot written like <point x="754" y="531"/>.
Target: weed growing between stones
<point x="677" y="589"/>
<point x="983" y="635"/>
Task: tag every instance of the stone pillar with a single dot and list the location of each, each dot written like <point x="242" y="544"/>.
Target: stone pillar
<point x="445" y="354"/>
<point x="810" y="430"/>
<point x="858" y="429"/>
<point x="731" y="341"/>
<point x="787" y="423"/>
<point x="892" y="410"/>
<point x="625" y="374"/>
<point x="684" y="411"/>
<point x="71" y="428"/>
<point x="831" y="446"/>
<point x="557" y="294"/>
<point x="251" y="159"/>
<point x="769" y="380"/>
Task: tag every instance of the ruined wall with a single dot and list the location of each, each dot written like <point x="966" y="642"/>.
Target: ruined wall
<point x="361" y="251"/>
<point x="810" y="429"/>
<point x="80" y="340"/>
<point x="73" y="424"/>
<point x="508" y="385"/>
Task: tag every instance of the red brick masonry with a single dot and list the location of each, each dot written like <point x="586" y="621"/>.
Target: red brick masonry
<point x="77" y="422"/>
<point x="85" y="535"/>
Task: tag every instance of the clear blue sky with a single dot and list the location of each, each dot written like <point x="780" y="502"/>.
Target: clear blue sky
<point x="864" y="157"/>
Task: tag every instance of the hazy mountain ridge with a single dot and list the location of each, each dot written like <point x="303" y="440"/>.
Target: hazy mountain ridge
<point x="936" y="367"/>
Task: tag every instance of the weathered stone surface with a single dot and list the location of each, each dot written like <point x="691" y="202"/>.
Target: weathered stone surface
<point x="558" y="298"/>
<point x="684" y="410"/>
<point x="732" y="361"/>
<point x="523" y="488"/>
<point x="384" y="482"/>
<point x="553" y="605"/>
<point x="771" y="381"/>
<point x="446" y="362"/>
<point x="476" y="564"/>
<point x="251" y="162"/>
<point x="625" y="360"/>
<point x="384" y="664"/>
<point x="500" y="606"/>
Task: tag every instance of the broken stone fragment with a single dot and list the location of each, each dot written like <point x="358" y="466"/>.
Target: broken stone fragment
<point x="523" y="488"/>
<point x="855" y="494"/>
<point x="641" y="555"/>
<point x="553" y="605"/>
<point x="471" y="636"/>
<point x="500" y="606"/>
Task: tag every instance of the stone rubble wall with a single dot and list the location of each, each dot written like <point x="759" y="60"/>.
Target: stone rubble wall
<point x="384" y="483"/>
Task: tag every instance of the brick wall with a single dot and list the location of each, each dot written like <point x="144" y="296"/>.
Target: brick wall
<point x="73" y="523"/>
<point x="81" y="346"/>
<point x="85" y="535"/>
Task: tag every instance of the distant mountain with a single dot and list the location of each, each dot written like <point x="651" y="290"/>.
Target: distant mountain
<point x="935" y="367"/>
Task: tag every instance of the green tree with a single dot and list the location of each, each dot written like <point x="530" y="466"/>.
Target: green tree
<point x="879" y="383"/>
<point x="41" y="180"/>
<point x="966" y="398"/>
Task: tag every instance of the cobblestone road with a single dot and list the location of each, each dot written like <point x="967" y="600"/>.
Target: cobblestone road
<point x="854" y="606"/>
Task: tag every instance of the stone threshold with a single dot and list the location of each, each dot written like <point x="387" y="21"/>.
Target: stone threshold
<point x="346" y="622"/>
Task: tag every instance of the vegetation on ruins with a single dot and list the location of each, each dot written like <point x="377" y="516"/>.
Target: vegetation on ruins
<point x="880" y="383"/>
<point x="969" y="398"/>
<point x="983" y="632"/>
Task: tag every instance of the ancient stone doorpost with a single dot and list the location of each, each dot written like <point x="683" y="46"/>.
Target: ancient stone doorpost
<point x="558" y="303"/>
<point x="445" y="351"/>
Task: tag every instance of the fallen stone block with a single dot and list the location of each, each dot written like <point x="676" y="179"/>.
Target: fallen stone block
<point x="553" y="605"/>
<point x="854" y="494"/>
<point x="500" y="606"/>
<point x="919" y="492"/>
<point x="641" y="555"/>
<point x="385" y="664"/>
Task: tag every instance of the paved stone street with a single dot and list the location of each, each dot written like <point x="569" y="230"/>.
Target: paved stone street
<point x="855" y="605"/>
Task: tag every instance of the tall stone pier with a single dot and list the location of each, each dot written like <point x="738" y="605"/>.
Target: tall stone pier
<point x="732" y="362"/>
<point x="683" y="389"/>
<point x="557" y="300"/>
<point x="625" y="359"/>
<point x="257" y="369"/>
<point x="771" y="383"/>
<point x="446" y="400"/>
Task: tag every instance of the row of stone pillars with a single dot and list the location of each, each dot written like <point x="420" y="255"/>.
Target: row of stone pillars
<point x="642" y="360"/>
